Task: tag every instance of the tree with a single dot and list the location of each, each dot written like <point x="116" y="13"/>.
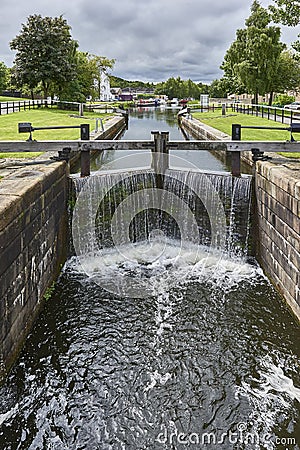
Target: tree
<point x="178" y="88"/>
<point x="171" y="88"/>
<point x="286" y="12"/>
<point x="202" y="89"/>
<point x="82" y="85"/>
<point x="253" y="57"/>
<point x="287" y="76"/>
<point x="296" y="47"/>
<point x="100" y="65"/>
<point x="220" y="88"/>
<point x="45" y="52"/>
<point x="4" y="75"/>
<point x="121" y="83"/>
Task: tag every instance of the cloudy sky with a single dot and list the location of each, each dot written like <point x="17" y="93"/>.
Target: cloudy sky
<point x="151" y="40"/>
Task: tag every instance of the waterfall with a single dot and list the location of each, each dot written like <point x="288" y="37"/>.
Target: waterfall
<point x="205" y="208"/>
<point x="221" y="205"/>
<point x="135" y="239"/>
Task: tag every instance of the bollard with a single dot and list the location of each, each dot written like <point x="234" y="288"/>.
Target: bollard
<point x="155" y="151"/>
<point x="235" y="164"/>
<point x="126" y="117"/>
<point x="85" y="131"/>
<point x="99" y="120"/>
<point x="164" y="159"/>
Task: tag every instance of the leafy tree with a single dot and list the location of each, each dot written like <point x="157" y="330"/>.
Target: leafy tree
<point x="203" y="89"/>
<point x="121" y="83"/>
<point x="99" y="65"/>
<point x="283" y="99"/>
<point x="286" y="12"/>
<point x="4" y="75"/>
<point x="82" y="85"/>
<point x="287" y="76"/>
<point x="220" y="88"/>
<point x="170" y="88"/>
<point x="45" y="52"/>
<point x="178" y="88"/>
<point x="296" y="47"/>
<point x="253" y="58"/>
<point x="194" y="90"/>
<point x="27" y="91"/>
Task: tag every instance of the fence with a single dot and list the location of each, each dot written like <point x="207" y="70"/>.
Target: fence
<point x="267" y="112"/>
<point x="22" y="105"/>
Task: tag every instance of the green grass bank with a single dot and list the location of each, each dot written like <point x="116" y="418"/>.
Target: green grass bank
<point x="46" y="118"/>
<point x="224" y="124"/>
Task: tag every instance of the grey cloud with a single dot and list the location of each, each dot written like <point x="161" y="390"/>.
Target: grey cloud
<point x="150" y="40"/>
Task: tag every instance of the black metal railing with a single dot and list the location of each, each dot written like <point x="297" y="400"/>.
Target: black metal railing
<point x="267" y="112"/>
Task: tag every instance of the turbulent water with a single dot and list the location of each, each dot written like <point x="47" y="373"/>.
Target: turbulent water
<point x="162" y="332"/>
<point x="206" y="357"/>
<point x="213" y="362"/>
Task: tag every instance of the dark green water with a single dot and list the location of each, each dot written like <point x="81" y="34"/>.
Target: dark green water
<point x="208" y="360"/>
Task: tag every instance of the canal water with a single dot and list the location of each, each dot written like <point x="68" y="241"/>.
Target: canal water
<point x="142" y="121"/>
<point x="203" y="355"/>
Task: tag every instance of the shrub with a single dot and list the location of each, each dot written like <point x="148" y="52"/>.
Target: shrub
<point x="283" y="99"/>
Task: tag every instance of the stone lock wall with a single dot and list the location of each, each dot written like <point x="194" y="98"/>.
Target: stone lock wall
<point x="201" y="130"/>
<point x="277" y="190"/>
<point x="112" y="128"/>
<point x="33" y="226"/>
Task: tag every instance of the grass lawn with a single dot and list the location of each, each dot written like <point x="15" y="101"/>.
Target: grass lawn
<point x="224" y="123"/>
<point x="46" y="117"/>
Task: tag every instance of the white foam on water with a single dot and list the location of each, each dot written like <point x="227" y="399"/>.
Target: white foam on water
<point x="271" y="395"/>
<point x="162" y="264"/>
<point x="155" y="378"/>
<point x="9" y="414"/>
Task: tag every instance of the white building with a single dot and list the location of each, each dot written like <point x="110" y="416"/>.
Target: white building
<point x="105" y="94"/>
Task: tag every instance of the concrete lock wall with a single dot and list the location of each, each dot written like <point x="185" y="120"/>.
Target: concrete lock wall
<point x="33" y="208"/>
<point x="277" y="215"/>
